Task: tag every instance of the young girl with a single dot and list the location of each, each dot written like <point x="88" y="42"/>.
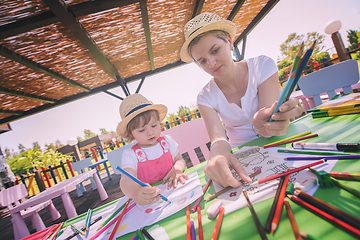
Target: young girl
<point x="153" y="157"/>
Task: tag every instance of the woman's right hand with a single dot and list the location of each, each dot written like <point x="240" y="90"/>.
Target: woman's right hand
<point x="218" y="168"/>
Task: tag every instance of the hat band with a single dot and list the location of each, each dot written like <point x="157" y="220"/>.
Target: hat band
<point x="194" y="31"/>
<point x="137" y="108"/>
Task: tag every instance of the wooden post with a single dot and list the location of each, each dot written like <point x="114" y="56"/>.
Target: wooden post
<point x="39" y="180"/>
<point x="70" y="167"/>
<point x="57" y="171"/>
<point x="64" y="169"/>
<point x="46" y="177"/>
<point x="30" y="185"/>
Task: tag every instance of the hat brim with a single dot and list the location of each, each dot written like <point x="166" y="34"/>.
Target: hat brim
<point x="223" y="25"/>
<point x="121" y="127"/>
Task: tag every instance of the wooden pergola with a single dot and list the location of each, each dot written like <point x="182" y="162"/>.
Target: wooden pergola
<point x="53" y="52"/>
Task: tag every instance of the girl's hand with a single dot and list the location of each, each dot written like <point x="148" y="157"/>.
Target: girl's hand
<point x="147" y="195"/>
<point x="174" y="176"/>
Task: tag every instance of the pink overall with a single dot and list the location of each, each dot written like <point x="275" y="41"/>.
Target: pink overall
<point x="152" y="171"/>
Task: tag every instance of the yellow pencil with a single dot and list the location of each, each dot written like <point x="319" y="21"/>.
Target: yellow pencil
<point x="289" y="138"/>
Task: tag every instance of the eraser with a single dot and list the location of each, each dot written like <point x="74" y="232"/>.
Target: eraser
<point x="306" y="184"/>
<point x="214" y="208"/>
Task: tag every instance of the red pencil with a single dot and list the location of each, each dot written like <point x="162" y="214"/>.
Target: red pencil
<point x="188" y="225"/>
<point x="346" y="227"/>
<point x="201" y="236"/>
<point x="279" y="206"/>
<point x="292" y="140"/>
<point x="288" y="172"/>
<point x="199" y="199"/>
<point x="119" y="220"/>
<point x="218" y="223"/>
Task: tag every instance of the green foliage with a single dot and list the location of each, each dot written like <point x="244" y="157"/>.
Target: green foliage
<point x="321" y="56"/>
<point x="353" y="38"/>
<point x="89" y="134"/>
<point x="289" y="48"/>
<point x="34" y="158"/>
<point x="183" y="110"/>
<point x="103" y="131"/>
<point x="284" y="67"/>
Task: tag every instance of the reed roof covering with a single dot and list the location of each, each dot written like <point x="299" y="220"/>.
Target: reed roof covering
<point x="56" y="51"/>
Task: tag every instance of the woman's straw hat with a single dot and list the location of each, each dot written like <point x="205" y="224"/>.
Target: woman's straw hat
<point x="204" y="22"/>
<point x="132" y="106"/>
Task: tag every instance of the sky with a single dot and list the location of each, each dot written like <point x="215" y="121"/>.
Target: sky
<point x="180" y="86"/>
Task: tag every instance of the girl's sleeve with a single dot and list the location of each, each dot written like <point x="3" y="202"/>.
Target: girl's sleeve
<point x="173" y="146"/>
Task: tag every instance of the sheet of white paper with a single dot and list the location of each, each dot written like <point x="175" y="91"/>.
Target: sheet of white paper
<point x="141" y="216"/>
<point x="270" y="162"/>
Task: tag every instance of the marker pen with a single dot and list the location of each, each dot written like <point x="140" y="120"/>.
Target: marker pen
<point x="346" y="147"/>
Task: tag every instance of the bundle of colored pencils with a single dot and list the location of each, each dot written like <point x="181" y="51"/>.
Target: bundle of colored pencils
<point x="295" y="74"/>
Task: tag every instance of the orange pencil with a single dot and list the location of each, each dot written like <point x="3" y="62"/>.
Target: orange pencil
<point x="201" y="236"/>
<point x="292" y="220"/>
<point x="279" y="206"/>
<point x="188" y="225"/>
<point x="119" y="220"/>
<point x="218" y="223"/>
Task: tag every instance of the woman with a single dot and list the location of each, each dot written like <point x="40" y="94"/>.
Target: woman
<point x="243" y="94"/>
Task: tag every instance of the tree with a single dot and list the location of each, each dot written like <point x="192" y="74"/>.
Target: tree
<point x="289" y="48"/>
<point x="21" y="147"/>
<point x="36" y="146"/>
<point x="89" y="134"/>
<point x="353" y="38"/>
<point x="103" y="131"/>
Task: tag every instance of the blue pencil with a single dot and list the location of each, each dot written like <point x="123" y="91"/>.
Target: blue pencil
<point x="88" y="220"/>
<point x="287" y="90"/>
<point x="138" y="181"/>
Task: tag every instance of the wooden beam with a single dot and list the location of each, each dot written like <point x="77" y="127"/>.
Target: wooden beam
<point x="3" y="111"/>
<point x="236" y="9"/>
<point x="145" y="21"/>
<point x="66" y="17"/>
<point x="39" y="68"/>
<point x="266" y="9"/>
<point x="198" y="7"/>
<point x="25" y="95"/>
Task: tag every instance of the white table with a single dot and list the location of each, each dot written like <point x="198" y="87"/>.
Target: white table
<point x="61" y="189"/>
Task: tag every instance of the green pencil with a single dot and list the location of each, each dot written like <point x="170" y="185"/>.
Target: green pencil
<point x="77" y="230"/>
<point x="139" y="234"/>
<point x="311" y="152"/>
<point x="112" y="216"/>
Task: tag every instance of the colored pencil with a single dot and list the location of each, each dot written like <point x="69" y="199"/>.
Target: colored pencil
<point x="138" y="181"/>
<point x="77" y="230"/>
<point x="292" y="220"/>
<point x="309" y="237"/>
<point x="289" y="138"/>
<point x="345" y="187"/>
<point x="118" y="221"/>
<point x="290" y="80"/>
<point x="147" y="234"/>
<point x="345" y="176"/>
<point x="344" y="226"/>
<point x="76" y="233"/>
<point x="188" y="226"/>
<point x="201" y="235"/>
<point x="332" y="157"/>
<point x="292" y="140"/>
<point x="49" y="232"/>
<point x="199" y="199"/>
<point x="139" y="234"/>
<point x="273" y="206"/>
<point x="255" y="217"/>
<point x="312" y="152"/>
<point x="192" y="226"/>
<point x="57" y="231"/>
<point x="133" y="237"/>
<point x="229" y="187"/>
<point x="88" y="220"/>
<point x="112" y="215"/>
<point x="323" y="206"/>
<point x="279" y="205"/>
<point x="109" y="224"/>
<point x="288" y="172"/>
<point x="218" y="223"/>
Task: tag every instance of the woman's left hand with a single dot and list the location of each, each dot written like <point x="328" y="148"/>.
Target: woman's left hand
<point x="287" y="110"/>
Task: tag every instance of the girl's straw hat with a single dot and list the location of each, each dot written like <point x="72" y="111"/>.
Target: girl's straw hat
<point x="204" y="22"/>
<point x="132" y="106"/>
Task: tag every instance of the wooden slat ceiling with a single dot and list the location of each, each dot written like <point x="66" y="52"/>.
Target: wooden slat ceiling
<point x="56" y="51"/>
